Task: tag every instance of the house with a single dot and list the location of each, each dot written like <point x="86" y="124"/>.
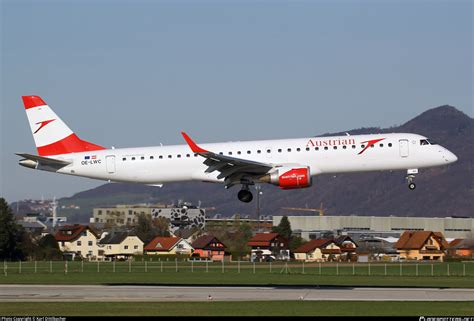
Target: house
<point x="209" y="247"/>
<point x="319" y="250"/>
<point x="271" y="243"/>
<point x="120" y="245"/>
<point x="421" y="245"/>
<point x="462" y="248"/>
<point x="35" y="228"/>
<point x="168" y="245"/>
<point x="78" y="240"/>
<point x="347" y="245"/>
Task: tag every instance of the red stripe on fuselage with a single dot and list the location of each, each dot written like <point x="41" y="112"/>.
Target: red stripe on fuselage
<point x="70" y="144"/>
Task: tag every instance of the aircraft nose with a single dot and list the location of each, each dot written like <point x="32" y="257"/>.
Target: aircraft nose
<point x="450" y="157"/>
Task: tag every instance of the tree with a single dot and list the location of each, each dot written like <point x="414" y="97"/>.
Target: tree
<point x="11" y="234"/>
<point x="296" y="242"/>
<point x="162" y="226"/>
<point x="284" y="228"/>
<point x="145" y="229"/>
<point x="48" y="248"/>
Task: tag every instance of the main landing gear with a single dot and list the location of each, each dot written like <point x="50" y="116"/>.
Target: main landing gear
<point x="245" y="195"/>
<point x="411" y="177"/>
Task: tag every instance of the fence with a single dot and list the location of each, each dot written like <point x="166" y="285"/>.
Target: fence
<point x="463" y="269"/>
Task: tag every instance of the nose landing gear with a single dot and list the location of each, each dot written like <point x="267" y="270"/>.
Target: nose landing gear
<point x="411" y="177"/>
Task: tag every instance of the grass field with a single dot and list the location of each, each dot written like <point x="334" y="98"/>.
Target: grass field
<point x="241" y="273"/>
<point x="269" y="308"/>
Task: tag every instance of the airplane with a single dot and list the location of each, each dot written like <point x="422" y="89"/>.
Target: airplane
<point x="286" y="163"/>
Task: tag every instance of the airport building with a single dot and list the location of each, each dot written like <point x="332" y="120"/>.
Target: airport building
<point x="263" y="224"/>
<point x="312" y="227"/>
<point x="185" y="216"/>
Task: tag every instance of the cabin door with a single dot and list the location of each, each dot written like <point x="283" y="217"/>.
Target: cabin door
<point x="110" y="164"/>
<point x="403" y="147"/>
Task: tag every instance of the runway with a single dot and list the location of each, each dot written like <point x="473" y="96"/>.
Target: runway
<point x="102" y="293"/>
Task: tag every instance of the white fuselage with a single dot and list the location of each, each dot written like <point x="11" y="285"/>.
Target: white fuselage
<point x="339" y="154"/>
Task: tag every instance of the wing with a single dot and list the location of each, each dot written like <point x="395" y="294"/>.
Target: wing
<point x="232" y="169"/>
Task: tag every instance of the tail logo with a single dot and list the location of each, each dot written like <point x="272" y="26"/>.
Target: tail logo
<point x="42" y="124"/>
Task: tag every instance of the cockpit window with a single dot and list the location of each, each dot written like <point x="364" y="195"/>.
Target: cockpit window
<point x="424" y="142"/>
<point x="427" y="142"/>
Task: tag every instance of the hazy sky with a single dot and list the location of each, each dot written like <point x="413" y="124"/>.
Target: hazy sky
<point x="135" y="73"/>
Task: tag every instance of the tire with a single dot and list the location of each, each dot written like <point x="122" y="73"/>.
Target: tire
<point x="245" y="196"/>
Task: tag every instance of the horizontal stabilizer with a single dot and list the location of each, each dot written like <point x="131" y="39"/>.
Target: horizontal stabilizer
<point x="36" y="161"/>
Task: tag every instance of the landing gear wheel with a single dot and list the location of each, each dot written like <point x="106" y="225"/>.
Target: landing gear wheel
<point x="245" y="196"/>
<point x="412" y="186"/>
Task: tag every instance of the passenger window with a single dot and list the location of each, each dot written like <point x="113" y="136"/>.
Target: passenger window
<point x="221" y="153"/>
<point x="239" y="152"/>
<point x="326" y="148"/>
<point x="335" y="147"/>
<point x="289" y="149"/>
<point x="248" y="152"/>
<point x="298" y="149"/>
<point x="160" y="157"/>
<point x="381" y="145"/>
<point x="269" y="150"/>
<point x="316" y="148"/>
<point x="307" y="149"/>
<point x="362" y="146"/>
<point x="344" y="147"/>
<point x="353" y="146"/>
<point x="389" y="144"/>
<point x="279" y="150"/>
<point x="195" y="155"/>
<point x="151" y="157"/>
<point x="133" y="158"/>
<point x="259" y="151"/>
<point x="179" y="156"/>
<point x="124" y="159"/>
<point x="169" y="156"/>
<point x="143" y="157"/>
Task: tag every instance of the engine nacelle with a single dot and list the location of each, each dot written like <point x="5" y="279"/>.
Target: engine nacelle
<point x="289" y="177"/>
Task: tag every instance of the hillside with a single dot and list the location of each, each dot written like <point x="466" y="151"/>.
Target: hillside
<point x="442" y="191"/>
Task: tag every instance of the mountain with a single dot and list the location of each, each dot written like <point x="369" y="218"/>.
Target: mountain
<point x="441" y="191"/>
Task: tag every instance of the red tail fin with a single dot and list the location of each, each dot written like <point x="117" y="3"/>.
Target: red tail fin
<point x="52" y="136"/>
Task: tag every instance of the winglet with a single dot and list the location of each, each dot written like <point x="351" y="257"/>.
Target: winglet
<point x="195" y="148"/>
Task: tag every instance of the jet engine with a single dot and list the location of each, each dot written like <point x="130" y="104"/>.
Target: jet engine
<point x="289" y="177"/>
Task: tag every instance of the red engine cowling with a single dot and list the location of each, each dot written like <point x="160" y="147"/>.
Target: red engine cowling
<point x="289" y="178"/>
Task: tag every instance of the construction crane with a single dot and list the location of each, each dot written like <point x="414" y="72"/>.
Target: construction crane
<point x="320" y="210"/>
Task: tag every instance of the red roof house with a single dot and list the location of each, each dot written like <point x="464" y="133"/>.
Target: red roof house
<point x="209" y="247"/>
<point x="421" y="245"/>
<point x="318" y="250"/>
<point x="461" y="247"/>
<point x="168" y="245"/>
<point x="273" y="242"/>
<point x="78" y="240"/>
